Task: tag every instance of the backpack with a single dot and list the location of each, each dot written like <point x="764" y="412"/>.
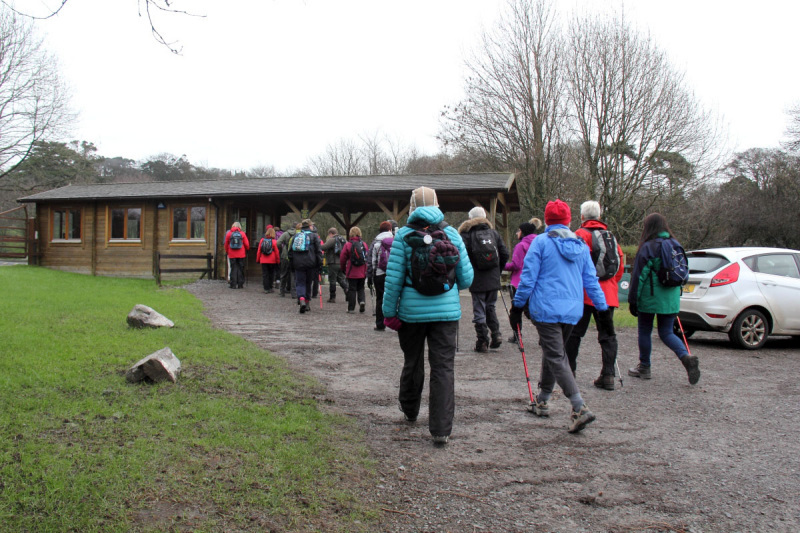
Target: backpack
<point x="433" y="260"/>
<point x="483" y="251"/>
<point x="300" y="241"/>
<point x="383" y="254"/>
<point x="338" y="244"/>
<point x="674" y="271"/>
<point x="604" y="254"/>
<point x="357" y="253"/>
<point x="266" y="246"/>
<point x="235" y="242"/>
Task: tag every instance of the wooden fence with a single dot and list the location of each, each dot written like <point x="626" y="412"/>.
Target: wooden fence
<point x="208" y="270"/>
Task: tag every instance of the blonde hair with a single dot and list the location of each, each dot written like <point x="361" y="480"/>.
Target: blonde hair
<point x="355" y="232"/>
<point x="270" y="233"/>
<point x="236" y="225"/>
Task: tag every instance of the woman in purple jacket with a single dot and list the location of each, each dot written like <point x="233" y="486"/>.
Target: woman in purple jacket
<point x="525" y="234"/>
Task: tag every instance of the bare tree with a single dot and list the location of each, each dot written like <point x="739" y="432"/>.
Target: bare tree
<point x="645" y="138"/>
<point x="514" y="111"/>
<point x="793" y="130"/>
<point x="147" y="8"/>
<point x="33" y="101"/>
<point x="372" y="153"/>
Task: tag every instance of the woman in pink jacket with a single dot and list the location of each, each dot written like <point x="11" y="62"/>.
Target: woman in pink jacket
<point x="270" y="261"/>
<point x="353" y="260"/>
<point x="525" y="234"/>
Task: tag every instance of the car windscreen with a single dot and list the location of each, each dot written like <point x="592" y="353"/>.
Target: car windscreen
<point x="701" y="262"/>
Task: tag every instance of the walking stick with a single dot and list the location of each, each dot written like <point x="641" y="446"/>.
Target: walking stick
<point x="319" y="290"/>
<point x="518" y="335"/>
<point x="684" y="335"/>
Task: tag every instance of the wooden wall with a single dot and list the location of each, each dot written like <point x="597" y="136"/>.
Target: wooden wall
<point x="97" y="254"/>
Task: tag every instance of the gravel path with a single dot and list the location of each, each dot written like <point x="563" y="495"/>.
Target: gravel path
<point x="723" y="455"/>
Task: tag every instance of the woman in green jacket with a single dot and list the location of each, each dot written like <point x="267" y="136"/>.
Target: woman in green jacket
<point x="650" y="300"/>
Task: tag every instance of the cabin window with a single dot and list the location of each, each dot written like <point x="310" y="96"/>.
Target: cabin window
<point x="126" y="223"/>
<point x="189" y="223"/>
<point x="66" y="225"/>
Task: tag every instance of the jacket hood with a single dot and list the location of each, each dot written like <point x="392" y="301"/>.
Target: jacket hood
<point x="427" y="214"/>
<point x="474" y="223"/>
<point x="594" y="224"/>
<point x="529" y="238"/>
<point x="567" y="243"/>
<point x="384" y="234"/>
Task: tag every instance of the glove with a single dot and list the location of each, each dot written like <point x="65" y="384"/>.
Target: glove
<point x="393" y="323"/>
<point x="515" y="318"/>
<point x="633" y="308"/>
<point x="370" y="283"/>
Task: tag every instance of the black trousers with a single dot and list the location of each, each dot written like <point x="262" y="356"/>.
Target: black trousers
<point x="269" y="272"/>
<point x="441" y="338"/>
<point x="355" y="291"/>
<point x="606" y="337"/>
<point x="237" y="272"/>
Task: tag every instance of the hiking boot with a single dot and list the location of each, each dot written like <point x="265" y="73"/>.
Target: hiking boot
<point x="540" y="408"/>
<point x="302" y="302"/>
<point x="440" y="440"/>
<point x="351" y="310"/>
<point x="496" y="341"/>
<point x="513" y="339"/>
<point x="692" y="366"/>
<point x="640" y="371"/>
<point x="580" y="419"/>
<point x="407" y="417"/>
<point x="332" y="300"/>
<point x="361" y="307"/>
<point x="481" y="347"/>
<point x="604" y="382"/>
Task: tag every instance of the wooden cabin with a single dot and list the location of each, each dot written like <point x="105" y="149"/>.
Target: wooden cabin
<point x="132" y="229"/>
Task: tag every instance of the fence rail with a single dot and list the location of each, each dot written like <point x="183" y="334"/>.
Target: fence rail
<point x="15" y="233"/>
<point x="208" y="270"/>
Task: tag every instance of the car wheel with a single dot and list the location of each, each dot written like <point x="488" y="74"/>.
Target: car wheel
<point x="676" y="329"/>
<point x="750" y="330"/>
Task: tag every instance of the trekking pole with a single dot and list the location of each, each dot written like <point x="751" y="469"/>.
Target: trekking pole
<point x="684" y="335"/>
<point x="619" y="375"/>
<point x="525" y="364"/>
<point x="319" y="290"/>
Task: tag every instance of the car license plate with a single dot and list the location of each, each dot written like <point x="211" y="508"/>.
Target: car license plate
<point x="689" y="288"/>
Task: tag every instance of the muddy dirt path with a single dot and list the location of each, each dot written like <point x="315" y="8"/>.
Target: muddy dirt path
<point x="723" y="455"/>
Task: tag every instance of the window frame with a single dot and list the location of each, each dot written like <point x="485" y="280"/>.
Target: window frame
<point x="187" y="239"/>
<point x="116" y="241"/>
<point x="69" y="211"/>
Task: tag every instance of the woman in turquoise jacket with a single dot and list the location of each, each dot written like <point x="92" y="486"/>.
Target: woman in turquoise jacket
<point x="418" y="318"/>
<point x="650" y="300"/>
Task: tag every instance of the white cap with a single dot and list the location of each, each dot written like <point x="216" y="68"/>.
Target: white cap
<point x="477" y="212"/>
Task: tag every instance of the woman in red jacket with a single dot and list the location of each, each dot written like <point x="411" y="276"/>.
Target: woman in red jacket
<point x="236" y="245"/>
<point x="267" y="254"/>
<point x="353" y="260"/>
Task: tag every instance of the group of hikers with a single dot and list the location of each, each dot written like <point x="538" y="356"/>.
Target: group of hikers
<point x="559" y="279"/>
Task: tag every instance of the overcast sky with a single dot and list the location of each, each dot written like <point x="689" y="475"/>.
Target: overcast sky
<point x="273" y="82"/>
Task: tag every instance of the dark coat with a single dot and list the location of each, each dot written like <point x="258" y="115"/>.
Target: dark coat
<point x="485" y="280"/>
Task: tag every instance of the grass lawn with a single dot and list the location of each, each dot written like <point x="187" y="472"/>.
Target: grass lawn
<point x="238" y="444"/>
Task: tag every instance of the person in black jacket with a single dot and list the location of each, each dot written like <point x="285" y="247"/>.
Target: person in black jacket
<point x="488" y="255"/>
<point x="305" y="262"/>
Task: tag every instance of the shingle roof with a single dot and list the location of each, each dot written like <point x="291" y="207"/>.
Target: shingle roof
<point x="323" y="185"/>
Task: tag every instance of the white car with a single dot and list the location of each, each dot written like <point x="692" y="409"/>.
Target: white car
<point x="749" y="293"/>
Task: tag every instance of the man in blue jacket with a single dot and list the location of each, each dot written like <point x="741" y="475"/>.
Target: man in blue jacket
<point x="557" y="269"/>
<point x="418" y="317"/>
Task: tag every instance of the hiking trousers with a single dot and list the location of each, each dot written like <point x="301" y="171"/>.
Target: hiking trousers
<point x="335" y="275"/>
<point x="484" y="310"/>
<point x="379" y="282"/>
<point x="441" y="338"/>
<point x="606" y="337"/>
<point x="555" y="367"/>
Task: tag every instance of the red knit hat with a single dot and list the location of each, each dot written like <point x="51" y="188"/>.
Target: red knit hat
<point x="557" y="212"/>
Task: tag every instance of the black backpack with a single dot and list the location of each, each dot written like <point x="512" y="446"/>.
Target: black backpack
<point x="266" y="246"/>
<point x="357" y="253"/>
<point x="604" y="254"/>
<point x="433" y="259"/>
<point x="674" y="271"/>
<point x="235" y="241"/>
<point x="483" y="249"/>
